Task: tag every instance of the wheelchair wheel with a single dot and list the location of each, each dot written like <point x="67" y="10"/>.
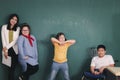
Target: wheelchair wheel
<point x="84" y="78"/>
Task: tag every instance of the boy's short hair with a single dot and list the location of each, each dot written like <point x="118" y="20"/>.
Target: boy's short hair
<point x="101" y="46"/>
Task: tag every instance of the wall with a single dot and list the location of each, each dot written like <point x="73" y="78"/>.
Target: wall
<point x="89" y="22"/>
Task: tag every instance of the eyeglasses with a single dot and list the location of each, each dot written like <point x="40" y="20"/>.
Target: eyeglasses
<point x="25" y="30"/>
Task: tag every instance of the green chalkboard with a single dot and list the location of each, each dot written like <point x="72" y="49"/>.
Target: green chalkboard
<point x="89" y="22"/>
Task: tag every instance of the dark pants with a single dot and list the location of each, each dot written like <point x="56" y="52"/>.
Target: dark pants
<point x="30" y="70"/>
<point x="14" y="61"/>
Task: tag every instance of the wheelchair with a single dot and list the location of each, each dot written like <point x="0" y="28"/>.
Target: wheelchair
<point x="89" y="76"/>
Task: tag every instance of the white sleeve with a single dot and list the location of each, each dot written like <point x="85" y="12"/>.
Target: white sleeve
<point x="111" y="61"/>
<point x="15" y="40"/>
<point x="93" y="62"/>
<point x="3" y="36"/>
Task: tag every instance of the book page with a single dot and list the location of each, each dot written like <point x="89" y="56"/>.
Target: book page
<point x="5" y="61"/>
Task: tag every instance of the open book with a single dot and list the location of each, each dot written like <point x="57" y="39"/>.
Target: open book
<point x="5" y="61"/>
<point x="114" y="70"/>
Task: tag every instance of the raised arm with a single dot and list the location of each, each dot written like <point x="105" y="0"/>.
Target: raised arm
<point x="71" y="41"/>
<point x="54" y="40"/>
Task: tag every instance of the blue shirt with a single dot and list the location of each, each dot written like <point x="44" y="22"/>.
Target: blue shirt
<point x="25" y="49"/>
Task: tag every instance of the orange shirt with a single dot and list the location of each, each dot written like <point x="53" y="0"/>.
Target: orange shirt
<point x="60" y="52"/>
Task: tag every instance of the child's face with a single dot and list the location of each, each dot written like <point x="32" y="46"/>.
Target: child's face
<point x="61" y="38"/>
<point x="13" y="21"/>
<point x="101" y="52"/>
<point x="25" y="31"/>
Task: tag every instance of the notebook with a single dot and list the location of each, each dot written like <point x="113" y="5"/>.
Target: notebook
<point x="5" y="61"/>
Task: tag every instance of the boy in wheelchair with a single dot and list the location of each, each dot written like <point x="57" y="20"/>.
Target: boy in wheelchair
<point x="99" y="64"/>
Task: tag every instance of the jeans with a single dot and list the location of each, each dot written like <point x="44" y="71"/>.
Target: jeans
<point x="59" y="66"/>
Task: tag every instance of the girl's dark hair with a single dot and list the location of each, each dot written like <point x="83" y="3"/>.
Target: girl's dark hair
<point x="101" y="46"/>
<point x="59" y="34"/>
<point x="25" y="25"/>
<point x="16" y="25"/>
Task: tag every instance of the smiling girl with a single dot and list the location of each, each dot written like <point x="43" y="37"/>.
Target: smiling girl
<point x="10" y="33"/>
<point x="28" y="55"/>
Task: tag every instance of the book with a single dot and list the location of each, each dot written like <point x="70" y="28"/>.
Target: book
<point x="5" y="61"/>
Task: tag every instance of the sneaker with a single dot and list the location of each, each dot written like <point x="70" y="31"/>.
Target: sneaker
<point x="20" y="77"/>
